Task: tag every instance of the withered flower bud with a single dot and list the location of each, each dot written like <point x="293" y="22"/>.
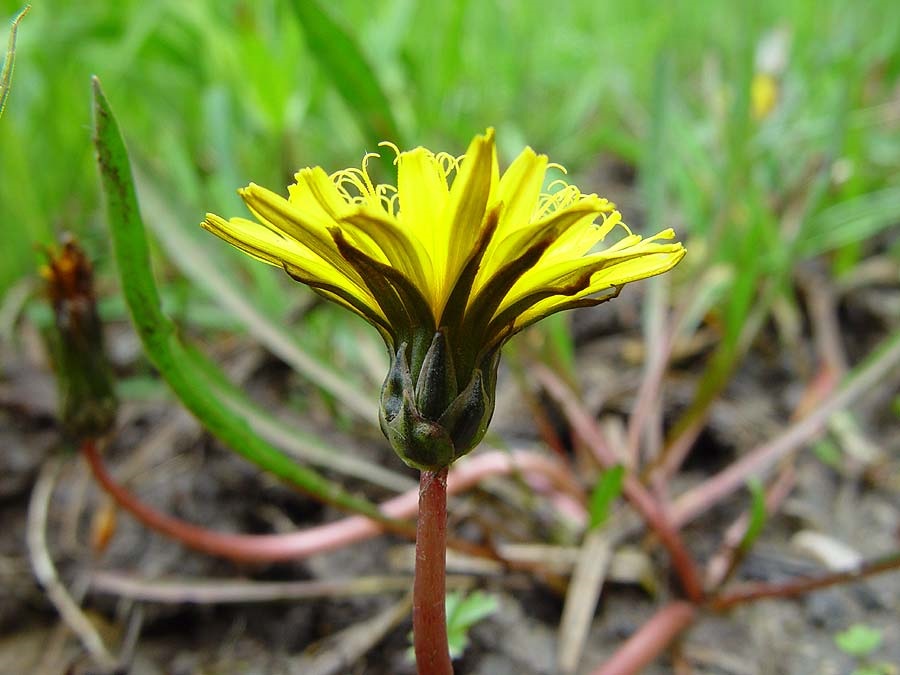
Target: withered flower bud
<point x="84" y="377"/>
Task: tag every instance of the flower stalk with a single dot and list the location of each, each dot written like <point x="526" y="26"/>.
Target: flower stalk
<point x="429" y="601"/>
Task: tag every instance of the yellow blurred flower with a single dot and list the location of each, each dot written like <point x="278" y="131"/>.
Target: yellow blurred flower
<point x="763" y="95"/>
<point x="447" y="265"/>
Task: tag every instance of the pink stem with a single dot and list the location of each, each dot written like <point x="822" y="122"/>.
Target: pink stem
<point x="713" y="490"/>
<point x="297" y="545"/>
<point x="650" y="640"/>
<point x="429" y="595"/>
<point x="641" y="499"/>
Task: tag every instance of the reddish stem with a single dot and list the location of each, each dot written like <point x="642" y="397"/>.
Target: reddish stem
<point x="864" y="378"/>
<point x="651" y="639"/>
<point x="650" y="509"/>
<point x="429" y="594"/>
<point x="795" y="587"/>
<point x="296" y="545"/>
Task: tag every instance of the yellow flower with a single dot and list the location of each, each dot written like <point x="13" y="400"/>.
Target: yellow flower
<point x="763" y="95"/>
<point x="447" y="265"/>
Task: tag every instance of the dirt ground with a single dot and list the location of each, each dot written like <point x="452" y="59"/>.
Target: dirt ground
<point x="171" y="463"/>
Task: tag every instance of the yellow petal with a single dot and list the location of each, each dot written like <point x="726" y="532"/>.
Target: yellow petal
<point x="546" y="231"/>
<point x="303" y="225"/>
<point x="270" y="247"/>
<point x="466" y="208"/>
<point x="400" y="249"/>
<point x="315" y="192"/>
<point x="657" y="260"/>
<point x="579" y="240"/>
<point x="519" y="189"/>
<point x="423" y="195"/>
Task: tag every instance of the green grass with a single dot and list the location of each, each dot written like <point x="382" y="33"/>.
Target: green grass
<point x="211" y="95"/>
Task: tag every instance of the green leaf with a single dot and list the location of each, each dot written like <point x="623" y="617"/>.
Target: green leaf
<point x="828" y="453"/>
<point x="463" y="612"/>
<point x="6" y="73"/>
<point x="158" y="335"/>
<point x="758" y="514"/>
<point x="607" y="490"/>
<point x="852" y="221"/>
<point x="875" y="669"/>
<point x="859" y="640"/>
<point x="342" y="59"/>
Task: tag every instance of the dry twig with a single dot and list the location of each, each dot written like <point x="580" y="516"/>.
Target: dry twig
<point x="45" y="571"/>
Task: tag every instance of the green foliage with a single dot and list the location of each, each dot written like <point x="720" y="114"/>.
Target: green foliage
<point x="828" y="453"/>
<point x="463" y="612"/>
<point x="757" y="514"/>
<point x="604" y="494"/>
<point x="185" y="370"/>
<point x="875" y="669"/>
<point x="342" y="60"/>
<point x="859" y="640"/>
<point x="9" y="61"/>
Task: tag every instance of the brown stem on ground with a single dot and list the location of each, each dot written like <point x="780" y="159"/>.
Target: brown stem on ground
<point x="650" y="640"/>
<point x="429" y="593"/>
<point x="795" y="587"/>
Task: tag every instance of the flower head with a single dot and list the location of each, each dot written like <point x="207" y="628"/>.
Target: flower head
<point x="447" y="265"/>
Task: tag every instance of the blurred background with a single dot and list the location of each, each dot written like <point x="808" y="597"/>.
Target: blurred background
<point x="767" y="134"/>
<point x="736" y="115"/>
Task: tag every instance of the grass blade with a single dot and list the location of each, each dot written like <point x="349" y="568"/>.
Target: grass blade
<point x="607" y="490"/>
<point x="158" y="334"/>
<point x="300" y="444"/>
<point x="758" y="514"/>
<point x="9" y="62"/>
<point x="342" y="59"/>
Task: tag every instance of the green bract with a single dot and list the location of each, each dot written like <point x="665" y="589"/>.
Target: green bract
<point x="431" y="416"/>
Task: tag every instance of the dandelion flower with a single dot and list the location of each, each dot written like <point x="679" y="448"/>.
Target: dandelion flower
<point x="447" y="265"/>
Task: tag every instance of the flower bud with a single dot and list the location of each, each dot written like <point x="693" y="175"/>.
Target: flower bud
<point x="427" y="419"/>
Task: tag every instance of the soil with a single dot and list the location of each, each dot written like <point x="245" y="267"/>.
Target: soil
<point x="169" y="462"/>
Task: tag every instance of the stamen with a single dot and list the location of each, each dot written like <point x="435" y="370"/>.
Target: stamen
<point x="388" y="201"/>
<point x="560" y="195"/>
<point x="370" y="189"/>
<point x="392" y="146"/>
<point x="448" y="163"/>
<point x="350" y="178"/>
